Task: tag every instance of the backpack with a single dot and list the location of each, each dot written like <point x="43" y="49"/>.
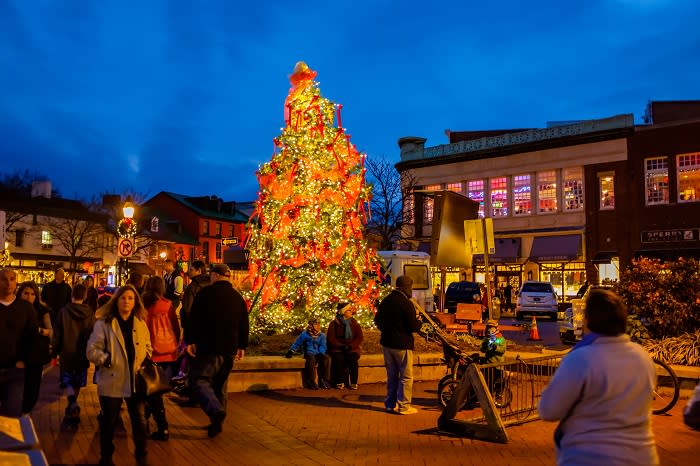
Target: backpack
<point x="163" y="337"/>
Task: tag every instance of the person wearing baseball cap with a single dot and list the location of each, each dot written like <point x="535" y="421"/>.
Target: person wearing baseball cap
<point x="217" y="330"/>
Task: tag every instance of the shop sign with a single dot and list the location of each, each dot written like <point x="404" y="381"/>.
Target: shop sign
<point x="670" y="236"/>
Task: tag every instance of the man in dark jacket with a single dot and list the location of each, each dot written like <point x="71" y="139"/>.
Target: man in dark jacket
<point x="72" y="330"/>
<point x="217" y="329"/>
<point x="198" y="280"/>
<point x="56" y="293"/>
<point x="18" y="326"/>
<point x="397" y="319"/>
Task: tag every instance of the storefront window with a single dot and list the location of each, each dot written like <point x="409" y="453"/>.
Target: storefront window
<point x="688" y="177"/>
<point x="609" y="273"/>
<point x="606" y="182"/>
<point x="656" y="180"/>
<point x="547" y="191"/>
<point x="522" y="202"/>
<point x="499" y="197"/>
<point x="408" y="209"/>
<point x="476" y="193"/>
<point x="566" y="279"/>
<point x="456" y="187"/>
<point x="573" y="188"/>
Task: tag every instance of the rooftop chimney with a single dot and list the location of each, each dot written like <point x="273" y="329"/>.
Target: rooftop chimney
<point x="41" y="189"/>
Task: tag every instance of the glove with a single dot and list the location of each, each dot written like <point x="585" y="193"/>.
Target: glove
<point x="289" y="354"/>
<point x="108" y="361"/>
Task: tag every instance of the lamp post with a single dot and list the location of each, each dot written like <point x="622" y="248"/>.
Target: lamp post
<point x="126" y="229"/>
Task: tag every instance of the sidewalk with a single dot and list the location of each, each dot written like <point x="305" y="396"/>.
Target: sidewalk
<point x="325" y="427"/>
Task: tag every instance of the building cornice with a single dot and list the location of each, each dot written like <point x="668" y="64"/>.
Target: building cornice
<point x="413" y="155"/>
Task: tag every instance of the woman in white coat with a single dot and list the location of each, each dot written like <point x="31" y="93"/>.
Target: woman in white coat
<point x="118" y="346"/>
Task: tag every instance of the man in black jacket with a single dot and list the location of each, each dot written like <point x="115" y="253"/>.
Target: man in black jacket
<point x="397" y="320"/>
<point x="217" y="329"/>
<point x="56" y="293"/>
<point x="18" y="327"/>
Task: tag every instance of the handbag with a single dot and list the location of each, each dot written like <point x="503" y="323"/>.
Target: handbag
<point x="152" y="379"/>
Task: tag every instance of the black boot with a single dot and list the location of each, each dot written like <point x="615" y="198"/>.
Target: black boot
<point x="162" y="433"/>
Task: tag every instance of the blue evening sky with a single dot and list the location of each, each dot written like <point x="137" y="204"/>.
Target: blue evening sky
<point x="185" y="96"/>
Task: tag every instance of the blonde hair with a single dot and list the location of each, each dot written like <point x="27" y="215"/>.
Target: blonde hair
<point x="110" y="310"/>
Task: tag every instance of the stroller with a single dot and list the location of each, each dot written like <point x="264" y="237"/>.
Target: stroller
<point x="457" y="362"/>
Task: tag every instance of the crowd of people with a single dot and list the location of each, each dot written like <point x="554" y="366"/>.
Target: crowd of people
<point x="601" y="394"/>
<point x="75" y="327"/>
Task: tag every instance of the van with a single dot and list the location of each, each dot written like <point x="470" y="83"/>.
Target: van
<point x="414" y="264"/>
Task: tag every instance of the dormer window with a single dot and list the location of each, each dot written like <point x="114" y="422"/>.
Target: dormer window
<point x="154" y="224"/>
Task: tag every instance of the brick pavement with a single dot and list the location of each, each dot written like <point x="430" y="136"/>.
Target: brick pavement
<point x="326" y="427"/>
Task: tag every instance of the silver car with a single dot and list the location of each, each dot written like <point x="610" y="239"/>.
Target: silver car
<point x="537" y="298"/>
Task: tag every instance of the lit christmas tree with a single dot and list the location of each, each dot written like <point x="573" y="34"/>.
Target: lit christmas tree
<point x="307" y="248"/>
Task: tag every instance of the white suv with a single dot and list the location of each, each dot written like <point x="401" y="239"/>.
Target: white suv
<point x="537" y="298"/>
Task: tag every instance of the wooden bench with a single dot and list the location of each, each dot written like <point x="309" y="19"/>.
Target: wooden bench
<point x="465" y="317"/>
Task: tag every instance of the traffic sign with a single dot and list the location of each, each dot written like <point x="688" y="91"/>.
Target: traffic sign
<point x="230" y="241"/>
<point x="125" y="248"/>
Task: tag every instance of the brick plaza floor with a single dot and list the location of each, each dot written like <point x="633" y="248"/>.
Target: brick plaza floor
<point x="325" y="427"/>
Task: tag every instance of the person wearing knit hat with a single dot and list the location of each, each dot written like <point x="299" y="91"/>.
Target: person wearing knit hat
<point x="344" y="339"/>
<point x="312" y="343"/>
<point x="396" y="319"/>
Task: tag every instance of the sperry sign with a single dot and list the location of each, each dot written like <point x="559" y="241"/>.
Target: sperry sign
<point x="670" y="236"/>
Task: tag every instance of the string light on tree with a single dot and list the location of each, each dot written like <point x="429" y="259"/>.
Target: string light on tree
<point x="307" y="248"/>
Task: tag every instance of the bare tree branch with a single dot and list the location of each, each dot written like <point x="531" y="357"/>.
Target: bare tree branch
<point x="388" y="211"/>
<point x="79" y="238"/>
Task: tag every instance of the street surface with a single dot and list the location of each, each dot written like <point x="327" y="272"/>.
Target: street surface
<point x="326" y="427"/>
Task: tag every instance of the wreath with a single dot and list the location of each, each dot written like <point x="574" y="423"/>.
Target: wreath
<point x="126" y="228"/>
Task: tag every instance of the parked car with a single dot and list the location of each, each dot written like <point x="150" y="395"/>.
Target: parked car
<point x="537" y="298"/>
<point x="571" y="330"/>
<point x="460" y="292"/>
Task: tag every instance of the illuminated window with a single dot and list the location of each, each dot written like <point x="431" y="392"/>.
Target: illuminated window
<point x="205" y="228"/>
<point x="456" y="187"/>
<point x="656" y="180"/>
<point x="408" y="208"/>
<point x="573" y="188"/>
<point x="46" y="238"/>
<point x="428" y="203"/>
<point x="547" y="191"/>
<point x="475" y="192"/>
<point x="606" y="183"/>
<point x="688" y="177"/>
<point x="522" y="203"/>
<point x="499" y="196"/>
<point x="154" y="224"/>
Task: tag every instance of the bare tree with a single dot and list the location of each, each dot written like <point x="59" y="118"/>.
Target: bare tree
<point x="390" y="206"/>
<point x="143" y="239"/>
<point x="79" y="238"/>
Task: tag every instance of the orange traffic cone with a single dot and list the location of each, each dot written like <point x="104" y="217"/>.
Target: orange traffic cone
<point x="534" y="334"/>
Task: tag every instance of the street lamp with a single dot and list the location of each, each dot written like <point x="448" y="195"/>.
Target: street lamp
<point x="126" y="229"/>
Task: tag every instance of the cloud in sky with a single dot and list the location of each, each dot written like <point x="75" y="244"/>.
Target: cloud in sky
<point x="160" y="95"/>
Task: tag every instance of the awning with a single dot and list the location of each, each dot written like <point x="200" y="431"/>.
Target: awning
<point x="604" y="257"/>
<point x="141" y="267"/>
<point x="555" y="248"/>
<point x="507" y="250"/>
<point x="235" y="257"/>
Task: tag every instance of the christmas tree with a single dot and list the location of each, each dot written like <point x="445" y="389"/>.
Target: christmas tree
<point x="307" y="246"/>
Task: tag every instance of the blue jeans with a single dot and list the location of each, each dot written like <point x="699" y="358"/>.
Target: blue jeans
<point x="399" y="378"/>
<point x="11" y="391"/>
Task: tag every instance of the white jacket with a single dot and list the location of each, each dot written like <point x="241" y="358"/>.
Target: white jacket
<point x="106" y="339"/>
<point x="606" y="388"/>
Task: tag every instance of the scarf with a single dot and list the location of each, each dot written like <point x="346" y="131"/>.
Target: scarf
<point x="311" y="330"/>
<point x="346" y="323"/>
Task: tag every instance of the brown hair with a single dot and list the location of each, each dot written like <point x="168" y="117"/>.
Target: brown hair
<point x="37" y="293"/>
<point x="79" y="292"/>
<point x="154" y="290"/>
<point x="606" y="313"/>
